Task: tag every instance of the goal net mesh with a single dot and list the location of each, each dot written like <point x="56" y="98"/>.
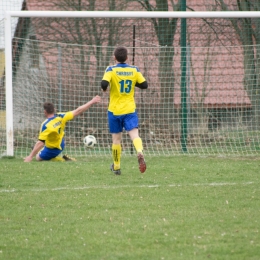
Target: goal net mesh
<point x="62" y="60"/>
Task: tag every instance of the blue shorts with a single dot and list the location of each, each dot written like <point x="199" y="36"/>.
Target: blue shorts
<point x="47" y="153"/>
<point x="118" y="123"/>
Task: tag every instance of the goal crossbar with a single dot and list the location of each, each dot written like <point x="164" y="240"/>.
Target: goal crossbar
<point x="134" y="14"/>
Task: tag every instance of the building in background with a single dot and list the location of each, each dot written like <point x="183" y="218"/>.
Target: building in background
<point x="8" y="5"/>
<point x="57" y="55"/>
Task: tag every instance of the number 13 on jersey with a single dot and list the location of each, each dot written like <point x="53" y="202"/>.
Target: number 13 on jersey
<point x="125" y="86"/>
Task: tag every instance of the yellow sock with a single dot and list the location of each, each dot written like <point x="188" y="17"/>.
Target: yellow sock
<point x="57" y="159"/>
<point x="116" y="154"/>
<point x="138" y="144"/>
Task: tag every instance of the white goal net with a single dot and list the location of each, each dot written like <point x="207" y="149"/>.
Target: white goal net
<point x="213" y="110"/>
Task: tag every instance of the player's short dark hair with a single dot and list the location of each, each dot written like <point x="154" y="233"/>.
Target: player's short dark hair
<point x="48" y="107"/>
<point x="120" y="54"/>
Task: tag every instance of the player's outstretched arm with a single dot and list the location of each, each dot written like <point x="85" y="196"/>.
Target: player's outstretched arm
<point x="38" y="146"/>
<point x="86" y="106"/>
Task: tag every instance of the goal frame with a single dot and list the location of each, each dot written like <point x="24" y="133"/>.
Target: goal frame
<point x="87" y="14"/>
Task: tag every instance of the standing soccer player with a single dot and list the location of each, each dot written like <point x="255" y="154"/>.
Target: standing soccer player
<point x="51" y="137"/>
<point x="123" y="78"/>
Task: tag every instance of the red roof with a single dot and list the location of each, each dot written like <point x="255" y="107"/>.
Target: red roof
<point x="216" y="72"/>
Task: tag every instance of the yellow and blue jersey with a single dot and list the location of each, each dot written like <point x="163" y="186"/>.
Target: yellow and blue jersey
<point x="52" y="130"/>
<point x="122" y="79"/>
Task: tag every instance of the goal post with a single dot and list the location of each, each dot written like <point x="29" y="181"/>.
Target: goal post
<point x="156" y="141"/>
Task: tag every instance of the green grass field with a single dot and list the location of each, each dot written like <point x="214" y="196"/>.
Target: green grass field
<point x="181" y="208"/>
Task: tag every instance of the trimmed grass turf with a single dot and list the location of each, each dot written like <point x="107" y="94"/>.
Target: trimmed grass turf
<point x="181" y="208"/>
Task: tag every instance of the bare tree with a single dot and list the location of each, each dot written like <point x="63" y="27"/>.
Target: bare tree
<point x="248" y="32"/>
<point x="165" y="29"/>
<point x="82" y="32"/>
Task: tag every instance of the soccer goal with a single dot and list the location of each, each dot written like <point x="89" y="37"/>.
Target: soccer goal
<point x="201" y="67"/>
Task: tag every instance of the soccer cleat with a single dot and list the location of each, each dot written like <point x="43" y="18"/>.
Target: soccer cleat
<point x="116" y="172"/>
<point x="67" y="158"/>
<point x="141" y="161"/>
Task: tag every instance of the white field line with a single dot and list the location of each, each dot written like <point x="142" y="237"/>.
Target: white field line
<point x="130" y="186"/>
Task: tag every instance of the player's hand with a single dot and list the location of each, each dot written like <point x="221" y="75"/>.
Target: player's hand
<point x="96" y="99"/>
<point x="28" y="159"/>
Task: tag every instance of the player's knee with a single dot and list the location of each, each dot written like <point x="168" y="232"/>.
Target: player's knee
<point x="38" y="158"/>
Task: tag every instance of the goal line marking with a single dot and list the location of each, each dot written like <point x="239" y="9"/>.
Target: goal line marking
<point x="130" y="186"/>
